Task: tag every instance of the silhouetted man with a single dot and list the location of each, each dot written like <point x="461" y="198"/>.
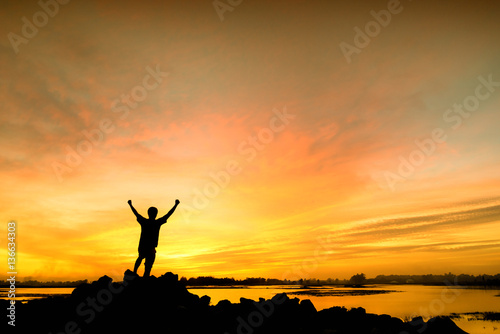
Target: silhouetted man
<point x="150" y="231"/>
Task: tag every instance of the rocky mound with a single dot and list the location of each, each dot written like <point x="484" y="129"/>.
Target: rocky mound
<point x="164" y="305"/>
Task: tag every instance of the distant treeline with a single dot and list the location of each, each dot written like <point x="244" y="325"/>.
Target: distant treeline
<point x="358" y="279"/>
<point x="37" y="284"/>
<point x="449" y="278"/>
<point x="209" y="280"/>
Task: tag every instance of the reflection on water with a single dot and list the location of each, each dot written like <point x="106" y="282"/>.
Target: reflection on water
<point x="24" y="294"/>
<point x="402" y="301"/>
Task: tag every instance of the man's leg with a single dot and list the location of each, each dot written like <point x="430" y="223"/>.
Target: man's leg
<point x="150" y="259"/>
<point x="137" y="263"/>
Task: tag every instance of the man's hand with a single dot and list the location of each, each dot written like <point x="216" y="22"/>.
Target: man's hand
<point x="177" y="202"/>
<point x="134" y="210"/>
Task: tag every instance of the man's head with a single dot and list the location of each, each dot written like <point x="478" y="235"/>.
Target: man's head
<point x="152" y="212"/>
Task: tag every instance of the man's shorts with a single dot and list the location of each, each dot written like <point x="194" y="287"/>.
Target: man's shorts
<point x="148" y="253"/>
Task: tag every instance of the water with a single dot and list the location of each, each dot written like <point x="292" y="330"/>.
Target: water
<point x="409" y="300"/>
<point x="24" y="294"/>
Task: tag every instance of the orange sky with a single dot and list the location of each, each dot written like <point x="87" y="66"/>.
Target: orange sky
<point x="307" y="142"/>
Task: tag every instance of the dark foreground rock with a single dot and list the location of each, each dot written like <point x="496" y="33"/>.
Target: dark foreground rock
<point x="164" y="305"/>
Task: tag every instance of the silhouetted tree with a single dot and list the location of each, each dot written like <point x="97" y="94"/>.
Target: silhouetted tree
<point x="358" y="279"/>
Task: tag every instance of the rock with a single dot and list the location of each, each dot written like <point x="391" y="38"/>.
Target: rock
<point x="307" y="307"/>
<point x="205" y="300"/>
<point x="280" y="298"/>
<point x="246" y="301"/>
<point x="224" y="304"/>
<point x="104" y="281"/>
<point x="440" y="325"/>
<point x="169" y="277"/>
<point x="129" y="275"/>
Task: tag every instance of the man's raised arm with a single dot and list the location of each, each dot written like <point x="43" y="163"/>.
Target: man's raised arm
<point x="171" y="210"/>
<point x="133" y="209"/>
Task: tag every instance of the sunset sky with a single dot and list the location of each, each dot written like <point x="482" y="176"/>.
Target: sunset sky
<point x="383" y="159"/>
